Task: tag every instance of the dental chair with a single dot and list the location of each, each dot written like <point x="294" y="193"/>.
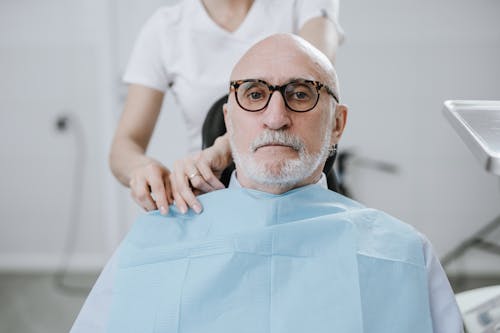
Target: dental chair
<point x="214" y="126"/>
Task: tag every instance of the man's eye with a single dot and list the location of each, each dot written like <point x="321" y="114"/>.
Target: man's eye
<point x="300" y="96"/>
<point x="254" y="95"/>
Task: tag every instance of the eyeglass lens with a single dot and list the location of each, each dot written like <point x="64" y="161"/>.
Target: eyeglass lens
<point x="299" y="96"/>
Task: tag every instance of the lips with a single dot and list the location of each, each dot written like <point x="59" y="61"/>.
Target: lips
<point x="274" y="144"/>
<point x="270" y="138"/>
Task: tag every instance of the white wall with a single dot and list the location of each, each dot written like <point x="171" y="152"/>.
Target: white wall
<point x="53" y="60"/>
<point x="400" y="61"/>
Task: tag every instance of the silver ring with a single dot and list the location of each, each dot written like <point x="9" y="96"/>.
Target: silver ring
<point x="194" y="174"/>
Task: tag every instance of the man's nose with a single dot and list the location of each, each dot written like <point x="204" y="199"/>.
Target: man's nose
<point x="276" y="116"/>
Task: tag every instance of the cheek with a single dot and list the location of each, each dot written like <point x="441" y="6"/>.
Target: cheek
<point x="314" y="132"/>
<point x="243" y="131"/>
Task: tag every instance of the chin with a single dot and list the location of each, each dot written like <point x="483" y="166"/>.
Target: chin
<point x="275" y="167"/>
<point x="283" y="173"/>
<point x="278" y="154"/>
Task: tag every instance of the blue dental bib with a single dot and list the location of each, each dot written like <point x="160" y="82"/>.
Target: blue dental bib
<point x="309" y="260"/>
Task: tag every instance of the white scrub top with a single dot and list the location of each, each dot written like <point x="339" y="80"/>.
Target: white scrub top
<point x="181" y="49"/>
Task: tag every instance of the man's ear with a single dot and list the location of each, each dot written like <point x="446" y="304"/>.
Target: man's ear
<point x="224" y="111"/>
<point x="340" y="122"/>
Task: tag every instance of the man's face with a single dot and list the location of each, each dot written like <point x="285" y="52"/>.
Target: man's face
<point x="277" y="145"/>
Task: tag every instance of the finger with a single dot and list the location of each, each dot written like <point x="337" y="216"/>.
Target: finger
<point x="176" y="186"/>
<point x="189" y="198"/>
<point x="209" y="177"/>
<point x="185" y="192"/>
<point x="168" y="189"/>
<point x="181" y="186"/>
<point x="157" y="185"/>
<point x="199" y="183"/>
<point x="158" y="189"/>
<point x="141" y="195"/>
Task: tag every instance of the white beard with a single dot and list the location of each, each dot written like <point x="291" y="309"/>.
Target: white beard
<point x="285" y="173"/>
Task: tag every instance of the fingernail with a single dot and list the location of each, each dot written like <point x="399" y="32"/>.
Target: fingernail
<point x="163" y="211"/>
<point x="197" y="208"/>
<point x="183" y="210"/>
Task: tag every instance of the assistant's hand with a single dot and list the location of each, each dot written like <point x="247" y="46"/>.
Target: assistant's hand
<point x="199" y="173"/>
<point x="150" y="186"/>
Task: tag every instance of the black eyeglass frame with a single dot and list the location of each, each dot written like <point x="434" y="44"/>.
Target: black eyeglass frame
<point x="234" y="85"/>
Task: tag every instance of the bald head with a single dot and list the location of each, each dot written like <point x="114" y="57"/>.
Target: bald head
<point x="281" y="115"/>
<point x="285" y="55"/>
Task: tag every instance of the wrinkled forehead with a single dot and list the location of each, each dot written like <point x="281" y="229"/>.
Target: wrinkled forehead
<point x="276" y="68"/>
<point x="279" y="59"/>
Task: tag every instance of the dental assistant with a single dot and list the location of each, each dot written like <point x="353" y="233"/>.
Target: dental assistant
<point x="189" y="49"/>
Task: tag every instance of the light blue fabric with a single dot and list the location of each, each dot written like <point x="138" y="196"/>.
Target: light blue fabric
<point x="309" y="260"/>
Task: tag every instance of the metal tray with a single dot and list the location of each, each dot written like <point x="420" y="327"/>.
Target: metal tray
<point x="478" y="124"/>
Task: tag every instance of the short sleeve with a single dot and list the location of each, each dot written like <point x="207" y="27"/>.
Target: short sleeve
<point x="329" y="9"/>
<point x="146" y="65"/>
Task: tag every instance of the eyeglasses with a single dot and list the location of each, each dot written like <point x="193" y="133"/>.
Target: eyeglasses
<point x="299" y="95"/>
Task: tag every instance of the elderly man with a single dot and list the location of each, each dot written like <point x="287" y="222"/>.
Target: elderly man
<point x="276" y="251"/>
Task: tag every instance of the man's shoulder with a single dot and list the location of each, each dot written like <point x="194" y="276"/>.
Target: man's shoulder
<point x="235" y="210"/>
<point x="154" y="229"/>
<point x="384" y="237"/>
<point x="373" y="220"/>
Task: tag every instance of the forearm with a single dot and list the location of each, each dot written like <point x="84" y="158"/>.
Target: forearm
<point x="323" y="34"/>
<point x="134" y="131"/>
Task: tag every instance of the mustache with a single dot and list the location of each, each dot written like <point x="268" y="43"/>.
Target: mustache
<point x="277" y="137"/>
